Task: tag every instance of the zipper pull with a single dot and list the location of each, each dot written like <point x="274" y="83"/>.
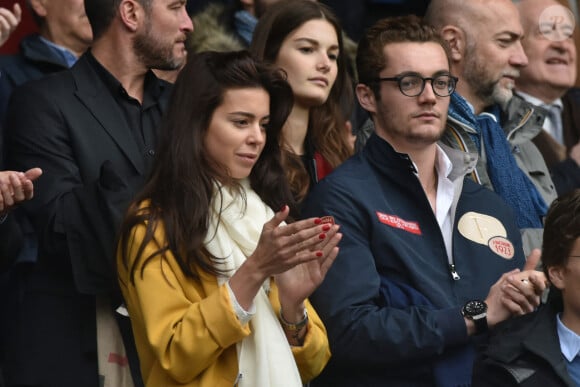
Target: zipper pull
<point x="453" y="272"/>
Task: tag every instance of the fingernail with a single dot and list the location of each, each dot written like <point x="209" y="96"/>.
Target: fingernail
<point x="326" y="227"/>
<point x="317" y="221"/>
<point x="322" y="236"/>
<point x="283" y="208"/>
<point x="319" y="253"/>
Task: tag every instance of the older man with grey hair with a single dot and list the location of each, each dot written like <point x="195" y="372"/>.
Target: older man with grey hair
<point x="548" y="81"/>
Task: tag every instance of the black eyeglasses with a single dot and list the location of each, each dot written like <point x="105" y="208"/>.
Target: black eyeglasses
<point x="413" y="85"/>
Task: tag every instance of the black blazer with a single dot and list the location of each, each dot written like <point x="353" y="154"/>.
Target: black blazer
<point x="69" y="125"/>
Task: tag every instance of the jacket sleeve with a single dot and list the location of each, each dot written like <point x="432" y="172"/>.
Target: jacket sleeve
<point x="364" y="328"/>
<point x="186" y="333"/>
<point x="77" y="205"/>
<point x="11" y="240"/>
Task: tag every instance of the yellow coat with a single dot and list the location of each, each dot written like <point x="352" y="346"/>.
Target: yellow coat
<point x="186" y="331"/>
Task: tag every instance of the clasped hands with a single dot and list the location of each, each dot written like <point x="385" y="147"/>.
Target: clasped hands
<point x="517" y="292"/>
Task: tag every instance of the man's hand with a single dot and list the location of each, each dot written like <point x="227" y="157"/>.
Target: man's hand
<point x="9" y="20"/>
<point x="16" y="187"/>
<point x="516" y="292"/>
<point x="523" y="290"/>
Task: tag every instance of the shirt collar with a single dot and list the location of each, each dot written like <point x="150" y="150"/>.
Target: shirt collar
<point x="569" y="340"/>
<point x="64" y="52"/>
<point x="152" y="86"/>
<point x="443" y="164"/>
<point x="538" y="102"/>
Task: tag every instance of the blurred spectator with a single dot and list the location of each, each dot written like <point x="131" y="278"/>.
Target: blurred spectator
<point x="64" y="33"/>
<point x="547" y="81"/>
<point x="355" y="16"/>
<point x="226" y="27"/>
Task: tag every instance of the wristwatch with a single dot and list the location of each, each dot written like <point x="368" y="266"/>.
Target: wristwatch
<point x="476" y="310"/>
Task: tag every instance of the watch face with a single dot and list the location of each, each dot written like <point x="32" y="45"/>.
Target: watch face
<point x="474" y="308"/>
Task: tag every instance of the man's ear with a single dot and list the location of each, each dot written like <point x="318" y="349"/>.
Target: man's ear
<point x="39" y="7"/>
<point x="556" y="276"/>
<point x="131" y="13"/>
<point x="366" y="98"/>
<point x="456" y="39"/>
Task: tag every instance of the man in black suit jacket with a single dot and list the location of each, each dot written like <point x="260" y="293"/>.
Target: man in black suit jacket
<point x="92" y="129"/>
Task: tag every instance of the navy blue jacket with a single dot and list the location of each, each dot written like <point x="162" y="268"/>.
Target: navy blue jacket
<point x="389" y="302"/>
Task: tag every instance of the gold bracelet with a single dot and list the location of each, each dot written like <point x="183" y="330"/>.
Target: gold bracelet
<point x="294" y="326"/>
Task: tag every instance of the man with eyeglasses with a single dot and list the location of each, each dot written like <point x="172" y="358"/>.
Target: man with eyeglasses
<point x="429" y="260"/>
<point x="485" y="118"/>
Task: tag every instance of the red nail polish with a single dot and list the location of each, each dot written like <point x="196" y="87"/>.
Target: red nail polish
<point x="326" y="227"/>
<point x="317" y="221"/>
<point x="322" y="236"/>
<point x="283" y="208"/>
<point x="319" y="253"/>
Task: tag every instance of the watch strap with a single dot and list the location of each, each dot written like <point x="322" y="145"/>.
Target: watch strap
<point x="481" y="324"/>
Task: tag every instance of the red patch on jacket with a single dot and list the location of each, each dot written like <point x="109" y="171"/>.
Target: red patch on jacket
<point x="396" y="222"/>
<point x="323" y="167"/>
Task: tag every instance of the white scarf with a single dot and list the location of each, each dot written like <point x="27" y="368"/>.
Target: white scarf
<point x="264" y="357"/>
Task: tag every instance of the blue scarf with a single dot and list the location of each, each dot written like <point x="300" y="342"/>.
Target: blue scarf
<point x="245" y="24"/>
<point x="508" y="180"/>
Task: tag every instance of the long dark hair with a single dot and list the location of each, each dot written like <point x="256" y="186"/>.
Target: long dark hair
<point x="181" y="187"/>
<point x="326" y="128"/>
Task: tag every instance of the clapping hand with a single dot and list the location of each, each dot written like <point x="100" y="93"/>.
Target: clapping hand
<point x="9" y="20"/>
<point x="298" y="255"/>
<point x="517" y="292"/>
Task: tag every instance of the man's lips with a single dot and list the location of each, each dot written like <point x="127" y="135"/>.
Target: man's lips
<point x="427" y="115"/>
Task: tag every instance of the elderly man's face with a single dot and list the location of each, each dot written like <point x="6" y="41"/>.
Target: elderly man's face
<point x="550" y="48"/>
